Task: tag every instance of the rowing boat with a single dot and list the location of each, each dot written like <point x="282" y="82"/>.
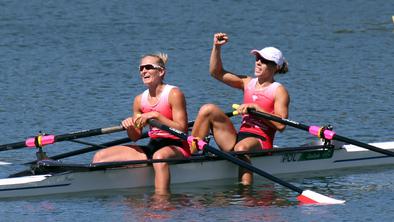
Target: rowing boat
<point x="55" y="177"/>
<point x="50" y="176"/>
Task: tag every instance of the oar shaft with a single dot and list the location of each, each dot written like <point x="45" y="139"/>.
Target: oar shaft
<point x="105" y="165"/>
<point x="227" y="156"/>
<point x="107" y="144"/>
<point x="364" y="145"/>
<point x="320" y="132"/>
<point x="88" y="133"/>
<point x="251" y="168"/>
<point x="43" y="140"/>
<point x="278" y="119"/>
<point x="229" y="114"/>
<point x="86" y="150"/>
<point x="11" y="146"/>
<point x="49" y="139"/>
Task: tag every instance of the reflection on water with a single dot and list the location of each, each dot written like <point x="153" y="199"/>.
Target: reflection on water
<point x="151" y="206"/>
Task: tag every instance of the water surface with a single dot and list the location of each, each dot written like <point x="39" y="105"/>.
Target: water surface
<point x="72" y="65"/>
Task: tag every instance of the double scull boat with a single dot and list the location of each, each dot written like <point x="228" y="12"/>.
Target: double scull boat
<point x="55" y="177"/>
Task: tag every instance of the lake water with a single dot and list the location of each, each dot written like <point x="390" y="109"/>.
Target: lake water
<point x="73" y="65"/>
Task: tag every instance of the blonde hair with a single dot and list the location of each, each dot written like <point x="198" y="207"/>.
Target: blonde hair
<point x="161" y="57"/>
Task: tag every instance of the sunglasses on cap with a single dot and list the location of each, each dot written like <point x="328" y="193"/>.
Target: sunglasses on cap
<point x="149" y="67"/>
<point x="265" y="61"/>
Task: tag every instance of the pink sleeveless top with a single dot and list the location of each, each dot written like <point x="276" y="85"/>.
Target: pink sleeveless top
<point x="162" y="106"/>
<point x="265" y="98"/>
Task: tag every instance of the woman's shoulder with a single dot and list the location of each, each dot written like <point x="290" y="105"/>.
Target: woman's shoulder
<point x="138" y="97"/>
<point x="176" y="96"/>
<point x="277" y="84"/>
<point x="281" y="90"/>
<point x="247" y="79"/>
<point x="175" y="91"/>
<point x="280" y="86"/>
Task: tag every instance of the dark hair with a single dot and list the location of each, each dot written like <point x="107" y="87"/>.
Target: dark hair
<point x="284" y="68"/>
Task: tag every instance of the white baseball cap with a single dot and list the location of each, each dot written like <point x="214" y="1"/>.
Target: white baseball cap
<point x="271" y="54"/>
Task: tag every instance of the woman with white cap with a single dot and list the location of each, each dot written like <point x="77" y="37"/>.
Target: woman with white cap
<point x="261" y="92"/>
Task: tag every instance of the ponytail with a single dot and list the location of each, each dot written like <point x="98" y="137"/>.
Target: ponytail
<point x="284" y="68"/>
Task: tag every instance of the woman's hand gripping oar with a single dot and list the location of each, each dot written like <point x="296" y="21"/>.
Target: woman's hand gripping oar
<point x="306" y="196"/>
<point x="320" y="132"/>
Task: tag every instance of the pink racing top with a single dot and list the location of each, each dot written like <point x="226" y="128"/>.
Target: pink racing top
<point x="162" y="106"/>
<point x="265" y="98"/>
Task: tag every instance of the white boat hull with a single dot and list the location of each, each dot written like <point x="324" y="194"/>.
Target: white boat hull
<point x="121" y="178"/>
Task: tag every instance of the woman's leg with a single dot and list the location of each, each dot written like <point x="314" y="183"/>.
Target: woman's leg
<point x="248" y="144"/>
<point x="119" y="153"/>
<point x="211" y="117"/>
<point x="162" y="170"/>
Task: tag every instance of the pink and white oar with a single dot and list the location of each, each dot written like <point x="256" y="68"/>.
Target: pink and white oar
<point x="306" y="196"/>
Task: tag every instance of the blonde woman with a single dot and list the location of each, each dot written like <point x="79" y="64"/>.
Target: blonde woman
<point x="160" y="101"/>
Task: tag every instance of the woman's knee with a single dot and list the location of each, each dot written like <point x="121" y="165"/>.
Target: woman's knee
<point x="163" y="153"/>
<point x="241" y="148"/>
<point x="248" y="144"/>
<point x="167" y="153"/>
<point x="102" y="155"/>
<point x="158" y="156"/>
<point x="244" y="146"/>
<point x="160" y="165"/>
<point x="208" y="110"/>
<point x="98" y="156"/>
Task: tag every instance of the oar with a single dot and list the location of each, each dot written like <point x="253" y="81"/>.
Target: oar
<point x="50" y="164"/>
<point x="42" y="140"/>
<point x="86" y="149"/>
<point x="95" y="147"/>
<point x="112" y="143"/>
<point x="320" y="132"/>
<point x="91" y="148"/>
<point x="306" y="196"/>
